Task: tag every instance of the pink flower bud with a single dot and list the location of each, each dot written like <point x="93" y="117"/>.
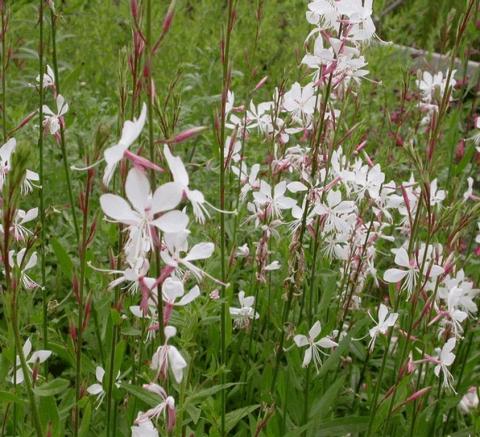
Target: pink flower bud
<point x="73" y="332"/>
<point x="261" y="83"/>
<point x="134" y="9"/>
<point x="418" y="394"/>
<point x="460" y="150"/>
<point x="167" y="22"/>
<point x="140" y="162"/>
<point x="185" y="135"/>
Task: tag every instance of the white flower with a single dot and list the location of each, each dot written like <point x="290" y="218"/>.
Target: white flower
<point x="53" y="121"/>
<point x="97" y="388"/>
<point x="300" y="101"/>
<point x="180" y="177"/>
<point x="168" y="356"/>
<point x="130" y="132"/>
<point x="410" y="271"/>
<point x="242" y="316"/>
<point x="313" y="346"/>
<point x="275" y="201"/>
<point x="24" y="265"/>
<point x="338" y="214"/>
<point x="260" y="116"/>
<point x="146" y="206"/>
<point x="385" y="321"/>
<point x="36" y="358"/>
<point x="323" y="13"/>
<point x="20" y="232"/>
<point x="242" y="251"/>
<point x="469" y="401"/>
<point x="469" y="193"/>
<point x="167" y="405"/>
<point x="176" y="243"/>
<point x="445" y="358"/>
<point x="436" y="196"/>
<point x="28" y="181"/>
<point x="48" y="78"/>
<point x="5" y="159"/>
<point x="360" y="23"/>
<point x="173" y="289"/>
<point x="144" y="429"/>
<point x="250" y="180"/>
<point x="433" y="86"/>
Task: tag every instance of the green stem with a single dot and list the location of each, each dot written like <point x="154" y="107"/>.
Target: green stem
<point x="25" y="369"/>
<point x="223" y="317"/>
<point x="42" y="183"/>
<point x="66" y="166"/>
<point x="4" y="71"/>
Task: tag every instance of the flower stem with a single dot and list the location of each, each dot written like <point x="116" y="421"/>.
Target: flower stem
<point x="42" y="182"/>
<point x="62" y="130"/>
<point x="25" y="369"/>
<point x="4" y="71"/>
<point x="223" y="317"/>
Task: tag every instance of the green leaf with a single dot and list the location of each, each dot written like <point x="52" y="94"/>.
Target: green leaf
<point x="64" y="261"/>
<point x="143" y="395"/>
<point x="49" y="417"/>
<point x="85" y="425"/>
<point x="6" y="396"/>
<point x="328" y="287"/>
<point x="334" y="358"/>
<point x="233" y="417"/>
<point x="52" y="388"/>
<point x="320" y="409"/>
<point x="335" y="427"/>
<point x="199" y="395"/>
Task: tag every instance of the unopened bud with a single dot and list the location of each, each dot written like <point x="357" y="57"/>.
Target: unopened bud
<point x="75" y="288"/>
<point x="134" y="9"/>
<point x="167" y="22"/>
<point x="261" y="83"/>
<point x="185" y="135"/>
<point x="460" y="150"/>
<point x="73" y="332"/>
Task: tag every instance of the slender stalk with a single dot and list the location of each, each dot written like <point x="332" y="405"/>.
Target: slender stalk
<point x="374" y="406"/>
<point x="223" y="317"/>
<point x="4" y="69"/>
<point x="42" y="181"/>
<point x="80" y="320"/>
<point x="25" y="369"/>
<point x="66" y="166"/>
<point x="151" y="146"/>
<point x="297" y="245"/>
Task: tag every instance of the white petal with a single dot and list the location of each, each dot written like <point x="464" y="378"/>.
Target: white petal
<point x="394" y="275"/>
<point x="200" y="251"/>
<point x="382" y="313"/>
<point x="172" y="289"/>
<point x="118" y="209"/>
<point x="315" y="330"/>
<point x="176" y="166"/>
<point x="137" y="189"/>
<point x="177" y="363"/>
<point x="99" y="374"/>
<point x="300" y="340"/>
<point x="190" y="296"/>
<point x="307" y="357"/>
<point x="167" y="197"/>
<point x="95" y="389"/>
<point x="401" y="258"/>
<point x="27" y="348"/>
<point x="326" y="342"/>
<point x="132" y="129"/>
<point x="39" y="356"/>
<point x="172" y="222"/>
